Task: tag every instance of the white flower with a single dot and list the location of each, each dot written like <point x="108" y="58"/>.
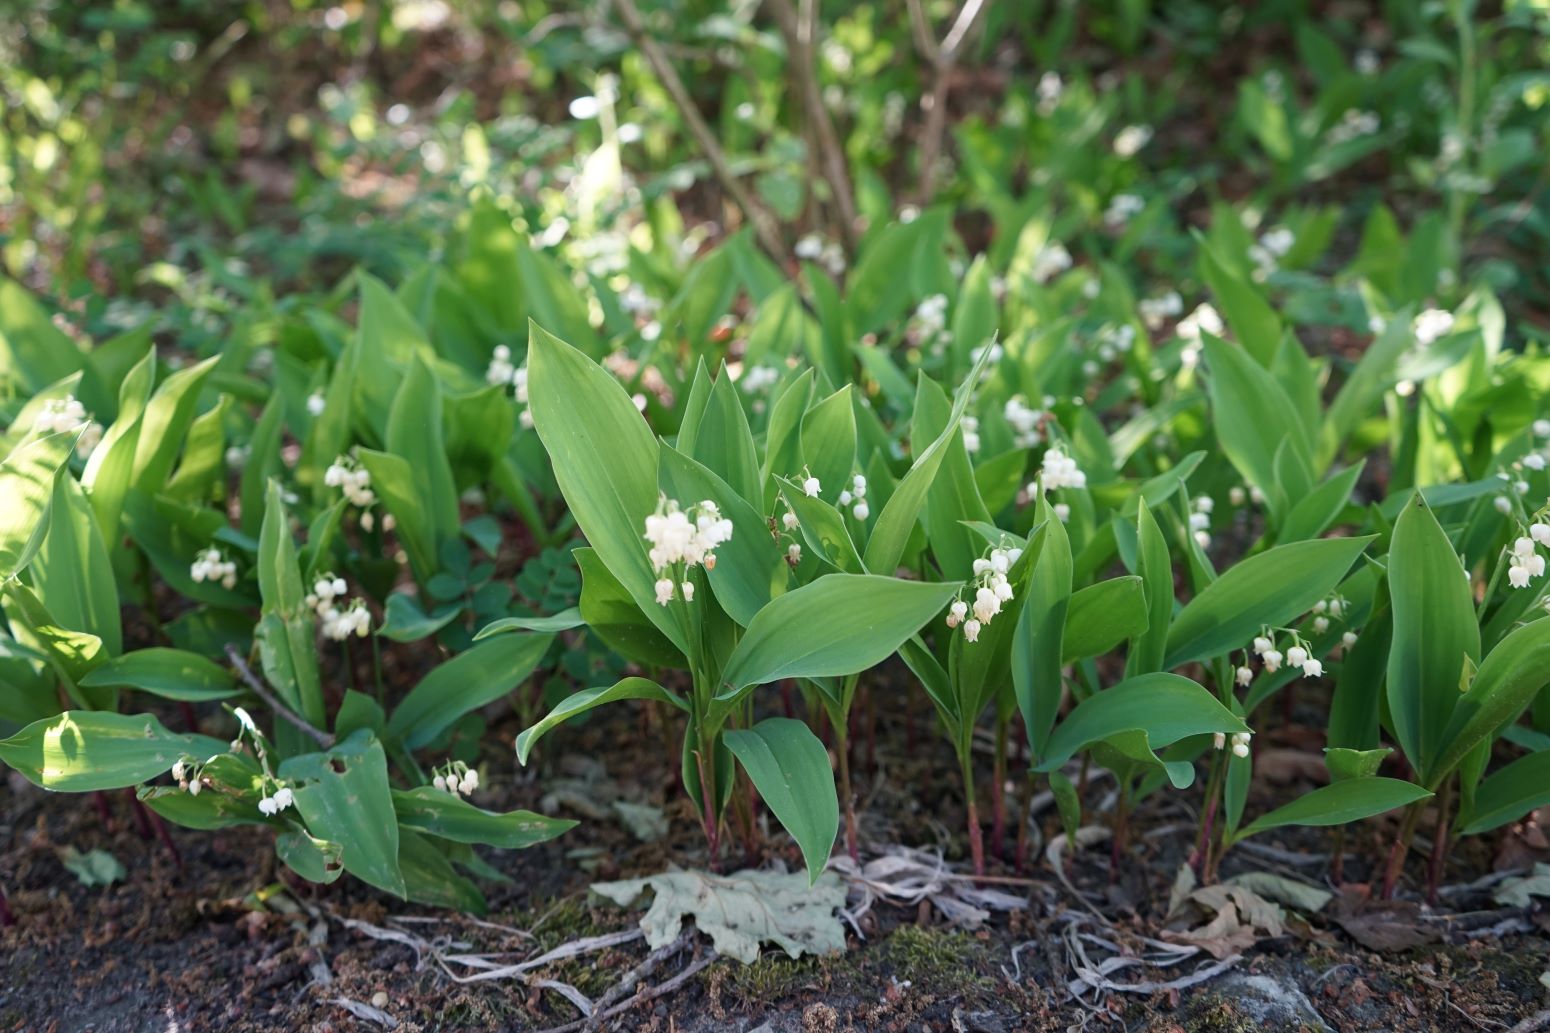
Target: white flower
<point x="1540" y="532"/>
<point x="1542" y="428"/>
<point x="1523" y="547"/>
<point x="971" y="436"/>
<point x="1203" y="320"/>
<point x="809" y="247"/>
<point x="1122" y="207"/>
<point x="810" y="487"/>
<point x="1236" y="495"/>
<point x="1320" y="625"/>
<point x="470" y="781"/>
<point x="1262" y="644"/>
<point x="1131" y="139"/>
<point x="1272" y="659"/>
<point x="316" y="403"/>
<point x="1059" y="470"/>
<point x="1052" y="260"/>
<point x="956" y="613"/>
<point x="688" y="590"/>
<point x="354" y="481"/>
<point x="860" y="512"/>
<point x="1062" y="512"/>
<point x="1203" y="539"/>
<point x="178" y="770"/>
<point x="1348" y="639"/>
<point x="440" y="782"/>
<point x="194" y="787"/>
<point x="858" y="486"/>
<point x="1534" y="461"/>
<point x="676" y="538"/>
<point x="845" y="498"/>
<point x="1024" y="420"/>
<point x="1244" y="676"/>
<point x="1199" y="521"/>
<point x="1240" y="749"/>
<point x="793" y="554"/>
<point x="1296" y="656"/>
<point x="211" y="565"/>
<point x="1430" y="325"/>
<point x="60" y="416"/>
<point x="665" y="590"/>
<point x="758" y="379"/>
<point x="971" y="630"/>
<point x="789" y="520"/>
<point x="1517" y="576"/>
<point x="1503" y="504"/>
<point x="1154" y="311"/>
<point x="1312" y="669"/>
<point x="283" y="797"/>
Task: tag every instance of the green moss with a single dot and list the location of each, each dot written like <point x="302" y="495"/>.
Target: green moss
<point x="935" y="961"/>
<point x="774" y="979"/>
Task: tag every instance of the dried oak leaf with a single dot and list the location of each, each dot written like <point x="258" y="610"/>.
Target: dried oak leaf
<point x="1381" y="925"/>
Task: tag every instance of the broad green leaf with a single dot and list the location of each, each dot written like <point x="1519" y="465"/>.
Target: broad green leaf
<point x="1155" y="567"/>
<point x="1344" y="763"/>
<point x="393" y="479"/>
<point x="1271" y="588"/>
<point x="429" y="877"/>
<point x="1435" y="636"/>
<point x="111" y="466"/>
<point x="1358" y="396"/>
<point x="613" y="616"/>
<point x="1510" y="678"/>
<point x="414" y="433"/>
<point x="1039" y="644"/>
<point x="468" y="681"/>
<point x="839" y="624"/>
<point x="404" y="621"/>
<point x="1516" y="790"/>
<point x="1102" y="616"/>
<point x="829" y="444"/>
<point x="724" y="444"/>
<point x="26" y="490"/>
<point x="344" y="796"/>
<point x="438" y="813"/>
<point x="167" y="418"/>
<point x="71" y="573"/>
<point x="1251" y="317"/>
<point x="565" y="620"/>
<point x="750" y="568"/>
<point x="587" y="699"/>
<point x="33" y="351"/>
<point x="315" y="860"/>
<point x="1252" y="414"/>
<point x="286" y="637"/>
<point x="204" y="455"/>
<point x="606" y="464"/>
<point x="790" y="768"/>
<point x="1164" y="708"/>
<point x="1339" y="803"/>
<point x="83" y="751"/>
<point x="168" y="673"/>
<point x="1311" y="515"/>
<point x="823" y="528"/>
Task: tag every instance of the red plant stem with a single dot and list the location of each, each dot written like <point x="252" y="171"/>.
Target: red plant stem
<point x="842" y="760"/>
<point x="786" y="700"/>
<point x="1396" y="861"/>
<point x="190" y="719"/>
<point x="976" y="842"/>
<point x="1439" y="858"/>
<point x="871" y="731"/>
<point x="1337" y="861"/>
<point x="104" y="812"/>
<point x="998" y="796"/>
<point x="165" y="835"/>
<point x="6" y="917"/>
<point x="708" y="820"/>
<point x="142" y="820"/>
<point x="1121" y="830"/>
<point x="1020" y="860"/>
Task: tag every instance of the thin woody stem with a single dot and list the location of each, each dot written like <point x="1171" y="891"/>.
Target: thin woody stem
<point x="252" y="681"/>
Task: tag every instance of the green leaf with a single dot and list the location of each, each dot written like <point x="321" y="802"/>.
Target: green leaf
<point x="414" y="433"/>
<point x="823" y="528"/>
<point x="111" y="467"/>
<point x="1339" y="803"/>
<point x="71" y="574"/>
<point x="286" y="637"/>
<point x="1311" y="515"/>
<point x="168" y="673"/>
<point x="1155" y="566"/>
<point x="1251" y="317"/>
<point x="586" y="699"/>
<point x="33" y="351"/>
<point x="26" y="490"/>
<point x="467" y="682"/>
<point x="82" y="751"/>
<point x="429" y="877"/>
<point x="1039" y="642"/>
<point x="430" y="810"/>
<point x="1344" y="763"/>
<point x="1102" y="616"/>
<point x="606" y="464"/>
<point x="790" y="769"/>
<point x="316" y="860"/>
<point x="565" y="620"/>
<point x="404" y="621"/>
<point x="611" y="614"/>
<point x="167" y="418"/>
<point x="829" y="443"/>
<point x="345" y="797"/>
<point x="393" y="479"/>
<point x="724" y="444"/>
<point x="839" y="624"/>
<point x="1163" y="708"/>
<point x="1517" y="789"/>
<point x="1253" y="416"/>
<point x="1271" y="588"/>
<point x="750" y="568"/>
<point x="1511" y="677"/>
<point x="1435" y="636"/>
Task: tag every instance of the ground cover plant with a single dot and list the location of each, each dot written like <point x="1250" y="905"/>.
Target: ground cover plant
<point x="828" y="475"/>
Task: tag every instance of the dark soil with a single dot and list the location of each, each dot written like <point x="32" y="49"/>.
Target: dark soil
<point x="228" y="940"/>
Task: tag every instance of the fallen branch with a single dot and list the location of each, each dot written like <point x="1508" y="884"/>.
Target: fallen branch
<point x="764" y="224"/>
<point x="252" y="681"/>
<point x="651" y="994"/>
<point x="944" y="58"/>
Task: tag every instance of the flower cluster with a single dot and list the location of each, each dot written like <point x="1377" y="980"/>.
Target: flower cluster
<point x="66" y="416"/>
<point x="1052" y="260"/>
<point x="681" y="540"/>
<point x="456" y="778"/>
<point x="1524" y="562"/>
<point x="339" y="620"/>
<point x="1122" y="208"/>
<point x="1332" y="608"/>
<point x="352" y="479"/>
<point x="971" y="433"/>
<point x="856" y="493"/>
<point x="1200" y="520"/>
<point x="1296" y="655"/>
<point x="1431" y="325"/>
<point x="1059" y="470"/>
<point x="279" y="801"/>
<point x="931" y="317"/>
<point x="212" y="565"/>
<point x="1155" y="311"/>
<point x="503" y="372"/>
<point x="1027" y="423"/>
<point x="1240" y="742"/>
<point x="813" y="248"/>
<point x="1272" y="247"/>
<point x="991" y="589"/>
